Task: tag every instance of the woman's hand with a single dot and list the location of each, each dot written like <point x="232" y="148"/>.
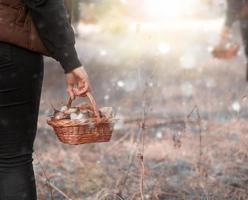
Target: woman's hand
<point x="224" y="35"/>
<point x="77" y="82"/>
<point x="226" y="31"/>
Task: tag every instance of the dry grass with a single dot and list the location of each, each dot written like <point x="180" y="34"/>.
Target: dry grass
<point x="201" y="156"/>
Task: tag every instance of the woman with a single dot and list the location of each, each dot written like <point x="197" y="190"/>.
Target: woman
<point x="21" y="74"/>
<point x="237" y="10"/>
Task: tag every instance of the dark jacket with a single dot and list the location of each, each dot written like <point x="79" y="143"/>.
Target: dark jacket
<point x="51" y="21"/>
<point x="233" y="12"/>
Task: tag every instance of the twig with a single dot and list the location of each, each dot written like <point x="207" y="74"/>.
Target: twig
<point x="54" y="187"/>
<point x="199" y="123"/>
<point x="46" y="180"/>
<point x="158" y="121"/>
<point x="134" y="196"/>
<point x="102" y="195"/>
<point x="44" y="173"/>
<point x="123" y="179"/>
<point x="110" y="148"/>
<point x="141" y="155"/>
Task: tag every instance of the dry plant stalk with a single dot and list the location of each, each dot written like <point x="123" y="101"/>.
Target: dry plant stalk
<point x="47" y="182"/>
<point x="199" y="123"/>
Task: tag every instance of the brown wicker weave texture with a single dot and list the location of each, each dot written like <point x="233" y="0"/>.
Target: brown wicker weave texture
<point x="75" y="132"/>
<point x="225" y="53"/>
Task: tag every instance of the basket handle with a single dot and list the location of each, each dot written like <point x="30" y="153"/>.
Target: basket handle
<point x="93" y="103"/>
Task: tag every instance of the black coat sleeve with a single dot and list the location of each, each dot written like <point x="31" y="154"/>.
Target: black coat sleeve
<point x="233" y="11"/>
<point x="52" y="22"/>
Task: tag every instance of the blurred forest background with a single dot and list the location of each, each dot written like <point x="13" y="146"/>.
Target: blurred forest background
<point x="182" y="114"/>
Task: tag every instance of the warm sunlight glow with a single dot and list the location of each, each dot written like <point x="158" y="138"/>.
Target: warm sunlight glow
<point x="169" y="8"/>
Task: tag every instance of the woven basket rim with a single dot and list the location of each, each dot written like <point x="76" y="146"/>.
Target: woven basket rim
<point x="76" y="122"/>
<point x="225" y="53"/>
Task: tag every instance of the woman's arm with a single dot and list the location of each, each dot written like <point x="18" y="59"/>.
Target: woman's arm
<point x="52" y="23"/>
<point x="233" y="11"/>
<point x="232" y="14"/>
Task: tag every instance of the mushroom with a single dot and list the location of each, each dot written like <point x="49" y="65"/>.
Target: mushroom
<point x="60" y="115"/>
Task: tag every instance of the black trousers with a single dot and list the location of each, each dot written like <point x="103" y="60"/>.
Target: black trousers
<point x="21" y="75"/>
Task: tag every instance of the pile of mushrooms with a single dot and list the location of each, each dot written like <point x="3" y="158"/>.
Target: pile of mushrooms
<point x="82" y="112"/>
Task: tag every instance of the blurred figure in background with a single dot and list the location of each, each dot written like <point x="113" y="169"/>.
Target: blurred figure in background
<point x="237" y="10"/>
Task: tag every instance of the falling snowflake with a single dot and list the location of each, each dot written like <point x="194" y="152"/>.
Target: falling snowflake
<point x="210" y="83"/>
<point x="187" y="89"/>
<point x="103" y="52"/>
<point x="150" y="84"/>
<point x="120" y="84"/>
<point x="164" y="48"/>
<point x="236" y="106"/>
<point x="188" y="61"/>
<point x="159" y="135"/>
<point x="106" y="97"/>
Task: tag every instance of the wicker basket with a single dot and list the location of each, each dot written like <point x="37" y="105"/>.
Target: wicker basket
<point x="71" y="131"/>
<point x="225" y="52"/>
